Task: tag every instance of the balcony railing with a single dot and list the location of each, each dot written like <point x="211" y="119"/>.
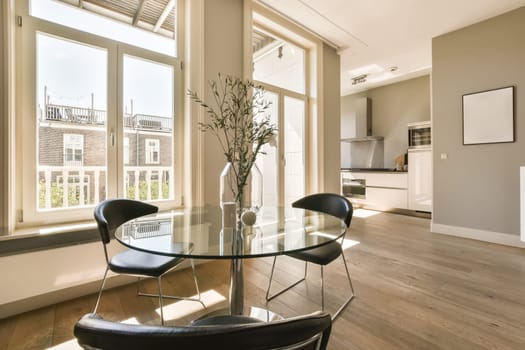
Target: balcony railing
<point x="81" y="115"/>
<point x="72" y="114"/>
<point x="69" y="187"/>
<point x="148" y="122"/>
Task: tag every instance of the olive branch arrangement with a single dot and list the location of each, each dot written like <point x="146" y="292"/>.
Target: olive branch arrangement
<point x="239" y="119"/>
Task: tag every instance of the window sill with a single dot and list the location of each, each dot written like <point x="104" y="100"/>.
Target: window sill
<point x="34" y="239"/>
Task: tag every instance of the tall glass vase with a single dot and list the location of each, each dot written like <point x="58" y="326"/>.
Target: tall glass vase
<point x="249" y="197"/>
<point x="234" y="201"/>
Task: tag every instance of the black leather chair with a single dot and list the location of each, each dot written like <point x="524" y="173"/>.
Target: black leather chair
<point x="232" y="333"/>
<point x="112" y="213"/>
<point x="335" y="205"/>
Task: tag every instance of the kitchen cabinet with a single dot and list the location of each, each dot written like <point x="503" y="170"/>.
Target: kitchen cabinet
<point x="386" y="198"/>
<point x="420" y="179"/>
<point x="382" y="190"/>
<point x="393" y="179"/>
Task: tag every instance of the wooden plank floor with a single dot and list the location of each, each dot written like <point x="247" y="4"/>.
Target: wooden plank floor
<point x="415" y="290"/>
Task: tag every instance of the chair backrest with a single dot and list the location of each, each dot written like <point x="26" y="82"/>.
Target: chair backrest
<point x="112" y="213"/>
<point x="329" y="203"/>
<point x="303" y="332"/>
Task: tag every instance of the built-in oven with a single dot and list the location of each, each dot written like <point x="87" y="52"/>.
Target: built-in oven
<point x="353" y="188"/>
<point x="419" y="135"/>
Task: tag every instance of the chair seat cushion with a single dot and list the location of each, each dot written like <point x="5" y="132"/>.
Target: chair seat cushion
<point x="322" y="255"/>
<point x="135" y="262"/>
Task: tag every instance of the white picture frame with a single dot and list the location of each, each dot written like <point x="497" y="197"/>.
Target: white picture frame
<point x="488" y="116"/>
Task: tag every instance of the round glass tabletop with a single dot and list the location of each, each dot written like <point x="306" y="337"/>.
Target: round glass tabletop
<point x="199" y="233"/>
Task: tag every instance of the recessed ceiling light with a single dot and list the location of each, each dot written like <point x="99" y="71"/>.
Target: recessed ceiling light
<point x="359" y="79"/>
<point x="392" y="69"/>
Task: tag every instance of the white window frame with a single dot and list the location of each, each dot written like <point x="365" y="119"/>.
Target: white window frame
<point x="26" y="183"/>
<point x="152" y="146"/>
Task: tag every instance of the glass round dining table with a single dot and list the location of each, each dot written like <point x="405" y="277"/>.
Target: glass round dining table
<point x="199" y="233"/>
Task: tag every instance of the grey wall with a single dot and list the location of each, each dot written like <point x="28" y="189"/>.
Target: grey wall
<point x="478" y="185"/>
<point x="393" y="107"/>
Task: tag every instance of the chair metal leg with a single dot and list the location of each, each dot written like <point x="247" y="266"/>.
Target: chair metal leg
<point x="322" y="288"/>
<point x="101" y="288"/>
<point x="345" y="304"/>
<point x="179" y="297"/>
<point x="160" y="301"/>
<point x="196" y="283"/>
<point x="270" y="297"/>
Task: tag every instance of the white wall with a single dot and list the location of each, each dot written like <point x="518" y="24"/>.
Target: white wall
<point x="39" y="273"/>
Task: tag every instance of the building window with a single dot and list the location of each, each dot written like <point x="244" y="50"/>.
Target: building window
<point x="152" y="151"/>
<point x="73" y="150"/>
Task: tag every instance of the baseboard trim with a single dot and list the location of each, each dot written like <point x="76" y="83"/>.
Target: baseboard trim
<point x="479" y="235"/>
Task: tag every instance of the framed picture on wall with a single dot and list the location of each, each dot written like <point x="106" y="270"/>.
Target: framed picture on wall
<point x="488" y="116"/>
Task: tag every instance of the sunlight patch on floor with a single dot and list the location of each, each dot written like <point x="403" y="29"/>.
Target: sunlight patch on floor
<point x="70" y="344"/>
<point x="349" y="243"/>
<point x="183" y="308"/>
<point x="365" y="213"/>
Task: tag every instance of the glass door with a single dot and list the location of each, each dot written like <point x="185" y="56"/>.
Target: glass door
<point x="283" y="166"/>
<point x="293" y="126"/>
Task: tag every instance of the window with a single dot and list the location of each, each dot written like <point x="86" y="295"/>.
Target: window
<point x="73" y="149"/>
<point x="100" y="110"/>
<point x="278" y="63"/>
<point x="152" y="151"/>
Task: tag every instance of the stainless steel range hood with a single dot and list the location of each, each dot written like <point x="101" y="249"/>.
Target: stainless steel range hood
<point x="363" y="150"/>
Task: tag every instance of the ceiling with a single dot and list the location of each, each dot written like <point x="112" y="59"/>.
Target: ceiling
<point x="386" y="40"/>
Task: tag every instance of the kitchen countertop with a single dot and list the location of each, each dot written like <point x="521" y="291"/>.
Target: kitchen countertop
<point x="373" y="170"/>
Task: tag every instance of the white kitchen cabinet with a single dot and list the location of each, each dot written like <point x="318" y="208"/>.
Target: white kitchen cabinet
<point x="420" y="179"/>
<point x="383" y="191"/>
<point x="395" y="180"/>
<point x="386" y="198"/>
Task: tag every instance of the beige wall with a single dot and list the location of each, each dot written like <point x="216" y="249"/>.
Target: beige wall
<point x="477" y="187"/>
<point x="331" y="92"/>
<point x="2" y="120"/>
<point x="393" y="107"/>
<point x="223" y="48"/>
<point x="4" y="9"/>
